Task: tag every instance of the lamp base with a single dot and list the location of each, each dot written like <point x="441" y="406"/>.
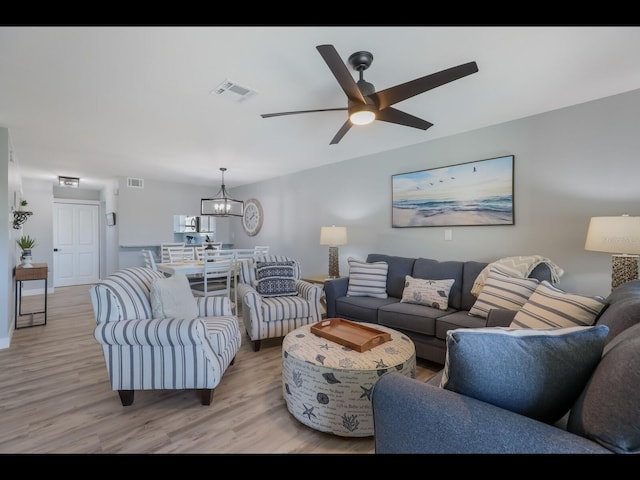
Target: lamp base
<point x="334" y="266"/>
<point x="623" y="269"/>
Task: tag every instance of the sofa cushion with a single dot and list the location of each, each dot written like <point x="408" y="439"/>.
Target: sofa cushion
<point x="623" y="308"/>
<point x="607" y="411"/>
<point x="537" y="373"/>
<point x="367" y="279"/>
<point x="550" y="307"/>
<point x="361" y="309"/>
<point x="470" y="271"/>
<point x="171" y="297"/>
<point x="399" y="268"/>
<point x="409" y="316"/>
<point x="503" y="291"/>
<point x="434" y="293"/>
<point x="457" y="319"/>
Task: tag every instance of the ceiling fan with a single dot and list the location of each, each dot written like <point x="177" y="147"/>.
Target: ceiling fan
<point x="365" y="105"/>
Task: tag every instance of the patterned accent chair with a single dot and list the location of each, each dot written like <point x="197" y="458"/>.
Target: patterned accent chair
<point x="145" y="353"/>
<point x="275" y="316"/>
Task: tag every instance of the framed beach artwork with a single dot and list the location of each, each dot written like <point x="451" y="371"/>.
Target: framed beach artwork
<point x="474" y="193"/>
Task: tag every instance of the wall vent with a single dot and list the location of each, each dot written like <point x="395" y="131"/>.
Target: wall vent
<point x="233" y="91"/>
<point x="135" y="182"/>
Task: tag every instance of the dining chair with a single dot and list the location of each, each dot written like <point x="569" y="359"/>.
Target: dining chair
<point x="198" y="252"/>
<point x="164" y="250"/>
<point x="176" y="254"/>
<point x="216" y="276"/>
<point x="261" y="250"/>
<point x="149" y="259"/>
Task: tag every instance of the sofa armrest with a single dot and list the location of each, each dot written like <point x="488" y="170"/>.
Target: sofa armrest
<point x="334" y="288"/>
<point x="414" y="417"/>
<point x="500" y="317"/>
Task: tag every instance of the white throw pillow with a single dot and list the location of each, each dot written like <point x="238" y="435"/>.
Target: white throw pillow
<point x="433" y="293"/>
<point x="171" y="297"/>
<point x="503" y="291"/>
<point x="367" y="279"/>
<point x="550" y="307"/>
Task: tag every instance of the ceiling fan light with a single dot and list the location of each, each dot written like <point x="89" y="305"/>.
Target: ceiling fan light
<point x="362" y="117"/>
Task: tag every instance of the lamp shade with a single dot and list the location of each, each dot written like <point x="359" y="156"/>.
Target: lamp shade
<point x="614" y="235"/>
<point x="333" y="235"/>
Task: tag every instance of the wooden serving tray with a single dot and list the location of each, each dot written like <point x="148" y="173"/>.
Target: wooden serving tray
<point x="354" y="335"/>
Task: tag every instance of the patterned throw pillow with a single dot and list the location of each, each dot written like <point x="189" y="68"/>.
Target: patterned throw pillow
<point x="550" y="307"/>
<point x="276" y="279"/>
<point x="533" y="372"/>
<point x="367" y="279"/>
<point x="433" y="293"/>
<point x="503" y="291"/>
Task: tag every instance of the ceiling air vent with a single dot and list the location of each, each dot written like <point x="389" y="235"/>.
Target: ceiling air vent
<point x="233" y="91"/>
<point x="135" y="182"/>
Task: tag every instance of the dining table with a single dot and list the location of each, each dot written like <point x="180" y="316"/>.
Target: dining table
<point x="194" y="267"/>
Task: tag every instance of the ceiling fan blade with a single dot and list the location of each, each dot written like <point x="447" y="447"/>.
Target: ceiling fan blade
<point x="393" y="115"/>
<point x="267" y="115"/>
<point x="343" y="130"/>
<point x="341" y="72"/>
<point x="396" y="94"/>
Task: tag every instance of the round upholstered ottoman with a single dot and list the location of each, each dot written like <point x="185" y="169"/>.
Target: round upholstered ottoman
<point x="327" y="386"/>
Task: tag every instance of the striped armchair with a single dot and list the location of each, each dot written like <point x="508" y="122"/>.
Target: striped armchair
<point x="275" y="316"/>
<point x="145" y="353"/>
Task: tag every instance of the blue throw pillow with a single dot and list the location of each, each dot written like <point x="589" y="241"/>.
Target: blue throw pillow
<point x="276" y="279"/>
<point x="538" y="373"/>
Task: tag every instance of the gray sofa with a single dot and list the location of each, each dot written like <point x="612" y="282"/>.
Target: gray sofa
<point x="417" y="417"/>
<point x="426" y="326"/>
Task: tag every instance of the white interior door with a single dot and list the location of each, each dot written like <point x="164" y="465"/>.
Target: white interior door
<point x="76" y="244"/>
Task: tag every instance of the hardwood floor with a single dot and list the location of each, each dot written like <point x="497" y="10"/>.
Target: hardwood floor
<point x="55" y="397"/>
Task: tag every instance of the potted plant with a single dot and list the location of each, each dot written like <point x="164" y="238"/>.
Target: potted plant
<point x="26" y="243"/>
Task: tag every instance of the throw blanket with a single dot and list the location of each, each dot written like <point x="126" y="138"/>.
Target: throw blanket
<point x="520" y="266"/>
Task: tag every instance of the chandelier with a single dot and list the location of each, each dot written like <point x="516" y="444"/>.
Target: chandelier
<point x="222" y="205"/>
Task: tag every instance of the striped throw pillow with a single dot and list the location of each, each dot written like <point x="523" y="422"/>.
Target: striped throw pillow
<point x="367" y="279"/>
<point x="503" y="291"/>
<point x="550" y="307"/>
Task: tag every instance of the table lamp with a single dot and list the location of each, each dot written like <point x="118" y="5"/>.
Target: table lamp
<point x="333" y="236"/>
<point x="619" y="236"/>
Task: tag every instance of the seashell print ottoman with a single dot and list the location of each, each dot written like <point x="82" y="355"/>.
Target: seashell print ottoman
<point x="327" y="386"/>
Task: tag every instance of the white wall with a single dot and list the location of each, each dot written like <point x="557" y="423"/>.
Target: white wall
<point x="146" y="214"/>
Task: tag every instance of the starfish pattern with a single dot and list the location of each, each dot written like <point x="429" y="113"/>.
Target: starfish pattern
<point x="308" y="411"/>
<point x="380" y="364"/>
<point x="366" y="392"/>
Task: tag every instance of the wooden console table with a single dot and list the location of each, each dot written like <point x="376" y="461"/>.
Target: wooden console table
<point x="39" y="271"/>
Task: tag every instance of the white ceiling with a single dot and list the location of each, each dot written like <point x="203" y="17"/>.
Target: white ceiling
<point x="100" y="102"/>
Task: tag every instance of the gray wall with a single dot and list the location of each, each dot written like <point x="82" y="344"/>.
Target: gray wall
<point x="570" y="164"/>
